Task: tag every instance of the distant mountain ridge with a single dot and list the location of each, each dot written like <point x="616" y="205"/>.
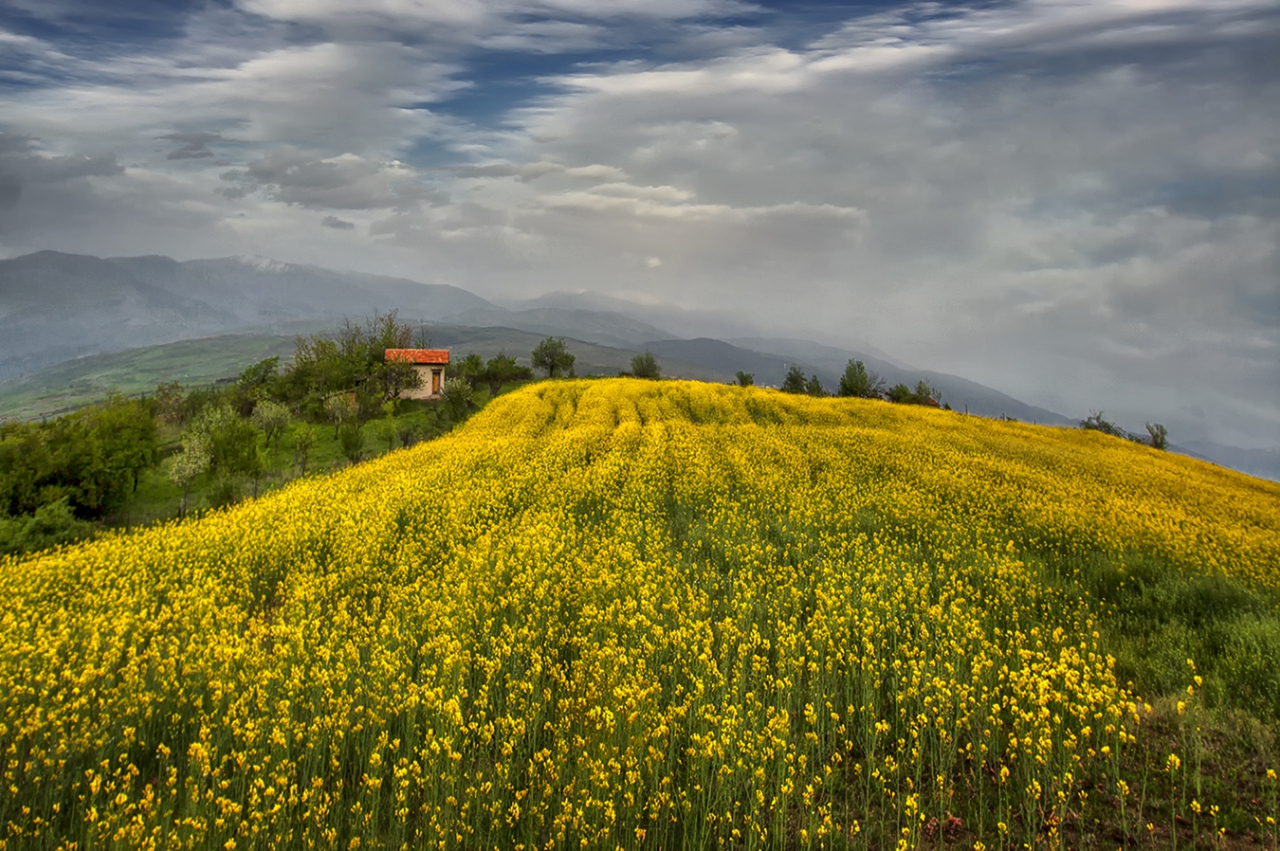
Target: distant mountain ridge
<point x="56" y="306"/>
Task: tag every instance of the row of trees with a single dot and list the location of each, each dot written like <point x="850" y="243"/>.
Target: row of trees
<point x="856" y="382"/>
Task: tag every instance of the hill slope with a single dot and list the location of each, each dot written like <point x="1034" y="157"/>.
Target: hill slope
<point x="625" y="613"/>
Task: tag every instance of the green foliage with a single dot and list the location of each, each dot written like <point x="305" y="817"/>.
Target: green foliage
<point x="458" y="397"/>
<point x="93" y="458"/>
<point x="500" y="369"/>
<point x="795" y="381"/>
<point x="51" y="525"/>
<point x="1159" y="435"/>
<point x="305" y="438"/>
<point x="814" y="387"/>
<point x="646" y="366"/>
<point x="470" y="369"/>
<point x="1095" y="422"/>
<point x="553" y="356"/>
<point x="354" y="361"/>
<point x="859" y="383"/>
<point x="191" y="462"/>
<point x="351" y="439"/>
<point x="746" y="379"/>
<point x="924" y="394"/>
<point x="271" y="418"/>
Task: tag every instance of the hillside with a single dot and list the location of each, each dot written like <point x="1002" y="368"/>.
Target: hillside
<point x="618" y="613"/>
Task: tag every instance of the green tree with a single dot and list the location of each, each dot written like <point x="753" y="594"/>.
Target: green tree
<point x="1159" y="435"/>
<point x="340" y="408"/>
<point x="457" y="396"/>
<point x="271" y="418"/>
<point x="169" y="403"/>
<point x="305" y="438"/>
<point x="746" y="379"/>
<point x="814" y="387"/>
<point x="189" y="463"/>
<point x="351" y="439"/>
<point x="1096" y="422"/>
<point x="470" y="369"/>
<point x="859" y="383"/>
<point x="553" y="356"/>
<point x="500" y="369"/>
<point x="646" y="366"/>
<point x="795" y="381"/>
<point x="126" y="437"/>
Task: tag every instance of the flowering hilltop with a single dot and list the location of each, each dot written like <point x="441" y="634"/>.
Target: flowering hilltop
<point x="610" y="614"/>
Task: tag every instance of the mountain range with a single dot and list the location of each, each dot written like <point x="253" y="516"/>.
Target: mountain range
<point x="56" y="308"/>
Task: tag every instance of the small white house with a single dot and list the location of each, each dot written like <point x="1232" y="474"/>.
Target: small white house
<point x="429" y="364"/>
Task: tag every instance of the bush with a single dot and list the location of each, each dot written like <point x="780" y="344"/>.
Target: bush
<point x="746" y="379"/>
<point x="52" y="524"/>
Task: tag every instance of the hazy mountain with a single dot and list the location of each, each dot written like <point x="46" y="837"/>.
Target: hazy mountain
<point x="1263" y="463"/>
<point x="594" y="326"/>
<point x="677" y="321"/>
<point x="55" y="306"/>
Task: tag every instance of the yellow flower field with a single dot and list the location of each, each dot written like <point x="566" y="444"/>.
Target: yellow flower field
<point x="609" y="614"/>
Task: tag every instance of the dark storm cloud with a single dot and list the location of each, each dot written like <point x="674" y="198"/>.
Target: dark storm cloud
<point x="337" y="223"/>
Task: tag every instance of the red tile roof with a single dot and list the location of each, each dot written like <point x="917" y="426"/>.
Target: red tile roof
<point x="420" y="356"/>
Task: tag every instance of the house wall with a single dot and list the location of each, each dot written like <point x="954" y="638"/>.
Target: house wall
<point x="424" y="373"/>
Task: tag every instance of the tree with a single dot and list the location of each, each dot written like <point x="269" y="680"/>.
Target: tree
<point x="859" y="383"/>
<point x="351" y="439"/>
<point x="340" y="408"/>
<point x="501" y="369"/>
<point x="169" y="403"/>
<point x="190" y="462"/>
<point x="457" y="396"/>
<point x="553" y="356"/>
<point x="746" y="379"/>
<point x="386" y="430"/>
<point x="646" y="366"/>
<point x="127" y="439"/>
<point x="1095" y="422"/>
<point x="922" y="395"/>
<point x="304" y="440"/>
<point x="1159" y="435"/>
<point x="272" y="418"/>
<point x="259" y="381"/>
<point x="395" y="377"/>
<point x="470" y="369"/>
<point x="795" y="381"/>
<point x="814" y="387"/>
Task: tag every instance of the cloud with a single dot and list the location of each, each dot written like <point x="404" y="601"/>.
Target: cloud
<point x="1075" y="202"/>
<point x="345" y="182"/>
<point x="192" y="146"/>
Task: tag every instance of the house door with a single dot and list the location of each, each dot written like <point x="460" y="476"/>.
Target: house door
<point x="435" y="381"/>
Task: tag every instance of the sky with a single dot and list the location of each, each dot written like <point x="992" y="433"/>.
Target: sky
<point x="1074" y="201"/>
